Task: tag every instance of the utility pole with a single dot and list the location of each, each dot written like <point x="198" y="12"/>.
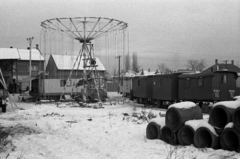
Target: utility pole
<point x="30" y="60"/>
<point x="119" y="62"/>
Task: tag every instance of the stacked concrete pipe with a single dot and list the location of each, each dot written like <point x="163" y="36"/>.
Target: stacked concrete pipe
<point x="168" y="135"/>
<point x="187" y="132"/>
<point x="230" y="138"/>
<point x="154" y="127"/>
<point x="206" y="137"/>
<point x="178" y="113"/>
<point x="236" y="119"/>
<point x="222" y="113"/>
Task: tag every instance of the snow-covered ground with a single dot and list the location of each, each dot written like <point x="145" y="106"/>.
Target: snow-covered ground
<point x="70" y="132"/>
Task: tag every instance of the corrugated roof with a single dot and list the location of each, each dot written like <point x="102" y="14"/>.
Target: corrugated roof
<point x="9" y="53"/>
<point x="35" y="54"/>
<point x="66" y="62"/>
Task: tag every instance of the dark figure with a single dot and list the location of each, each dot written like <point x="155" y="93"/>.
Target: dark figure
<point x="27" y="88"/>
<point x="10" y="87"/>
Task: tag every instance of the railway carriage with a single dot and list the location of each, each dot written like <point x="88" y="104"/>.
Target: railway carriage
<point x="214" y="86"/>
<point x="165" y="88"/>
<point x="142" y="88"/>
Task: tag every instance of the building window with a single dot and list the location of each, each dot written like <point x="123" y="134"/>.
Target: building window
<point x="139" y="83"/>
<point x="65" y="82"/>
<point x="224" y="78"/>
<point x="200" y="82"/>
<point x="34" y="68"/>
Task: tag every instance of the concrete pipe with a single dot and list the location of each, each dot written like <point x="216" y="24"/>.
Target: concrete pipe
<point x="154" y="127"/>
<point x="205" y="138"/>
<point x="222" y="113"/>
<point x="178" y="113"/>
<point x="168" y="135"/>
<point x="185" y="135"/>
<point x="236" y="118"/>
<point x="230" y="140"/>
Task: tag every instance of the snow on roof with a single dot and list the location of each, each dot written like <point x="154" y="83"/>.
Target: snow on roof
<point x="229" y="104"/>
<point x="183" y="105"/>
<point x="229" y="125"/>
<point x="35" y="54"/>
<point x="196" y="124"/>
<point x="66" y="62"/>
<point x="146" y="73"/>
<point x="159" y="121"/>
<point x="9" y="53"/>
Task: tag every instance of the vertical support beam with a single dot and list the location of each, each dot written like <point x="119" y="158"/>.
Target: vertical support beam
<point x="119" y="73"/>
<point x="84" y="60"/>
<point x="30" y="60"/>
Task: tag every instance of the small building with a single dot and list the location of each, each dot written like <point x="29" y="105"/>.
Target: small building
<point x="14" y="64"/>
<point x="60" y="66"/>
<point x="62" y="74"/>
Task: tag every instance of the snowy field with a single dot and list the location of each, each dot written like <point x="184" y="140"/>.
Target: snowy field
<point x="72" y="132"/>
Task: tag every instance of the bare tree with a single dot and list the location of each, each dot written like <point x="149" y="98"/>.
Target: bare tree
<point x="197" y="65"/>
<point x="201" y="65"/>
<point x="135" y="66"/>
<point x="164" y="69"/>
<point x="127" y="62"/>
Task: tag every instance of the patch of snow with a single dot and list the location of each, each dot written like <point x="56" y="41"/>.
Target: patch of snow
<point x="46" y="131"/>
<point x="159" y="121"/>
<point x="229" y="125"/>
<point x="196" y="124"/>
<point x="236" y="98"/>
<point x="182" y="105"/>
<point x="228" y="104"/>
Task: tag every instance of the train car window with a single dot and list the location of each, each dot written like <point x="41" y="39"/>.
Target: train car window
<point x="187" y="82"/>
<point x="139" y="83"/>
<point x="238" y="82"/>
<point x="224" y="78"/>
<point x="200" y="82"/>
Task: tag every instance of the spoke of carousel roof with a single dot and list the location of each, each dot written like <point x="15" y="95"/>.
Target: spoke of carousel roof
<point x="109" y="30"/>
<point x="102" y="27"/>
<point x="76" y="28"/>
<point x="66" y="27"/>
<point x="59" y="28"/>
<point x="94" y="27"/>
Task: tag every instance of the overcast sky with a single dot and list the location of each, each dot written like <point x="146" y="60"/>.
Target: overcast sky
<point x="161" y="31"/>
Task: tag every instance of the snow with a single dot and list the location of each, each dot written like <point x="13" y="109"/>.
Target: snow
<point x="159" y="121"/>
<point x="229" y="104"/>
<point x="196" y="124"/>
<point x="66" y="132"/>
<point x="182" y="105"/>
<point x="236" y="98"/>
<point x="229" y="125"/>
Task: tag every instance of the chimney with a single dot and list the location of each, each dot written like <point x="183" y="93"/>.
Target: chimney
<point x="232" y="62"/>
<point x="216" y="61"/>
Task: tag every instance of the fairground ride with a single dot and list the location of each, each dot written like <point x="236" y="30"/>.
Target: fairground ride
<point x="100" y="37"/>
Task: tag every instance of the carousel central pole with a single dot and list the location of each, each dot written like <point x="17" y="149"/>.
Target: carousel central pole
<point x="84" y="92"/>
